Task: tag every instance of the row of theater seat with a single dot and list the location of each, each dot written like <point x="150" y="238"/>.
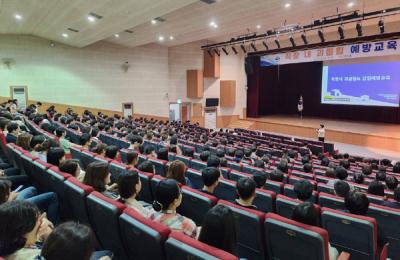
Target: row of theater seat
<point x="196" y="204"/>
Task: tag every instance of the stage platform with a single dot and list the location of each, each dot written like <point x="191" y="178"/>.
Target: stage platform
<point x="374" y="135"/>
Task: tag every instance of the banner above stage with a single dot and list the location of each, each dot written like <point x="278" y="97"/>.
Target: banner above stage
<point x="356" y="50"/>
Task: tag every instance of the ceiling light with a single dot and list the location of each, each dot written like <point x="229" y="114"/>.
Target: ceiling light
<point x="116" y="35"/>
<point x="341" y="32"/>
<point x="350" y="5"/>
<point x="359" y="29"/>
<point x="304" y="38"/>
<point x="258" y="26"/>
<point x="291" y="39"/>
<point x="18" y="17"/>
<point x="171" y="37"/>
<point x="91" y="18"/>
<point x="321" y="36"/>
<point x="153" y="21"/>
<point x="213" y="24"/>
<point x="381" y="25"/>
<point x="243" y="48"/>
<point x="65" y="35"/>
<point x="287" y="5"/>
<point x="253" y="46"/>
<point x="234" y="50"/>
<point x="225" y="51"/>
<point x="161" y="38"/>
<point x="265" y="45"/>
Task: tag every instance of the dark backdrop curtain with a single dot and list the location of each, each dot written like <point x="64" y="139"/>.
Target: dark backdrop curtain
<point x="279" y="88"/>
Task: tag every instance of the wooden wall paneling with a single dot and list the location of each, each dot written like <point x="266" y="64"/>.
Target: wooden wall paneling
<point x="197" y="109"/>
<point x="211" y="65"/>
<point x="227" y="93"/>
<point x="194" y="84"/>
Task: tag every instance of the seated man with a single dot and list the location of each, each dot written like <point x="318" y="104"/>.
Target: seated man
<point x="13" y="132"/>
<point x="260" y="178"/>
<point x="303" y="190"/>
<point x="246" y="190"/>
<point x="342" y="188"/>
<point x="391" y="182"/>
<point x="357" y="203"/>
<point x="213" y="161"/>
<point x="276" y="175"/>
<point x="210" y="176"/>
<point x="376" y="188"/>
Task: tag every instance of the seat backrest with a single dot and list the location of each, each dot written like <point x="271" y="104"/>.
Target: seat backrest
<point x="288" y="239"/>
<point x="195" y="204"/>
<point x="146" y="192"/>
<point x="265" y="200"/>
<point x="250" y="232"/>
<point x="38" y="173"/>
<point x="142" y="238"/>
<point x="235" y="166"/>
<point x="154" y="181"/>
<point x="116" y="169"/>
<point x="354" y="234"/>
<point x="195" y="178"/>
<point x="322" y="187"/>
<point x="104" y="216"/>
<point x="235" y="175"/>
<point x="186" y="160"/>
<point x="76" y="154"/>
<point x="27" y="165"/>
<point x="181" y="247"/>
<point x="304" y="175"/>
<point x="251" y="169"/>
<point x="294" y="179"/>
<point x="160" y="166"/>
<point x="274" y="186"/>
<point x="226" y="190"/>
<point x="75" y="194"/>
<point x="197" y="164"/>
<point x="87" y="157"/>
<point x="388" y="220"/>
<point x="285" y="206"/>
<point x="331" y="201"/>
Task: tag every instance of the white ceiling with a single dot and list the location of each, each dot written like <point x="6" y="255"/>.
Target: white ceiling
<point x="186" y="20"/>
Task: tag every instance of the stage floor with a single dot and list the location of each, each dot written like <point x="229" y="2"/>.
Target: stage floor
<point x="376" y="129"/>
<point x="366" y="134"/>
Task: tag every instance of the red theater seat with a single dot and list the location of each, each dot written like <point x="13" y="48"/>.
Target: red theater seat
<point x="181" y="247"/>
<point x="75" y="195"/>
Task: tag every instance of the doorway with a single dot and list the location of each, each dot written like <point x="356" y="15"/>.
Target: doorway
<point x="179" y="111"/>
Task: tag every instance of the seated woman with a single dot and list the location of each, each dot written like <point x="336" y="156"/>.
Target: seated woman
<point x="306" y="213"/>
<point x="40" y="145"/>
<point x="21" y="226"/>
<point x="98" y="176"/>
<point x="72" y="167"/>
<point x="55" y="155"/>
<point x="129" y="186"/>
<point x="72" y="241"/>
<point x="168" y="198"/>
<point x="47" y="202"/>
<point x="219" y="229"/>
<point x="24" y="141"/>
<point x="177" y="171"/>
<point x="132" y="158"/>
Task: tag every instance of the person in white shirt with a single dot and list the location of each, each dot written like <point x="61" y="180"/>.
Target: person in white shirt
<point x="300" y="106"/>
<point x="321" y="133"/>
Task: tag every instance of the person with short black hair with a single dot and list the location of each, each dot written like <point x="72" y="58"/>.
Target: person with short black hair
<point x="358" y="177"/>
<point x="260" y="178"/>
<point x="307" y="168"/>
<point x="13" y="131"/>
<point x="84" y="140"/>
<point x="376" y="188"/>
<point x="204" y="156"/>
<point x="396" y="167"/>
<point x="136" y="142"/>
<point x="340" y="174"/>
<point x="259" y="164"/>
<point x="162" y="154"/>
<point x="342" y="188"/>
<point x="239" y="155"/>
<point x="367" y="169"/>
<point x="246" y="190"/>
<point x="168" y="197"/>
<point x="219" y="229"/>
<point x="220" y="153"/>
<point x="132" y="158"/>
<point x="357" y="203"/>
<point x="391" y="182"/>
<point x="111" y="152"/>
<point x="129" y="187"/>
<point x="380" y="175"/>
<point x="55" y="156"/>
<point x="345" y="164"/>
<point x="223" y="162"/>
<point x="72" y="240"/>
<point x="306" y="213"/>
<point x="325" y="161"/>
<point x="210" y="177"/>
<point x="147" y="166"/>
<point x="213" y="161"/>
<point x="276" y="175"/>
<point x="303" y="190"/>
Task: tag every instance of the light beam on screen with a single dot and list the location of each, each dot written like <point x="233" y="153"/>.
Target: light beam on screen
<point x="364" y="84"/>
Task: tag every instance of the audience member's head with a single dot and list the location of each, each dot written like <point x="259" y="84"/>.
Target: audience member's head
<point x="396" y="195"/>
<point x="210" y="176"/>
<point x="177" y="171"/>
<point x="13" y="128"/>
<point x="69" y="240"/>
<point x="341" y="173"/>
<point x="220" y="153"/>
<point x="330" y="173"/>
<point x="380" y="176"/>
<point x="223" y="162"/>
<point x="129" y="185"/>
<point x="260" y="178"/>
<point x="367" y="169"/>
<point x="213" y="161"/>
<point x="358" y="177"/>
<point x="84" y="139"/>
<point x="132" y="158"/>
<point x="396" y="167"/>
<point x="219" y="229"/>
<point x="306" y="213"/>
<point x="162" y="154"/>
<point x="55" y="155"/>
<point x="342" y="188"/>
<point x="283" y="166"/>
<point x="24" y="141"/>
<point x="168" y="195"/>
<point x="97" y="176"/>
<point x="391" y="182"/>
<point x="111" y="151"/>
<point x="70" y="166"/>
<point x="146" y="166"/>
<point x="357" y="203"/>
<point x="325" y="161"/>
<point x="259" y="164"/>
<point x="345" y="164"/>
<point x="246" y="189"/>
<point x="303" y="190"/>
<point x="277" y="175"/>
<point x="204" y="156"/>
<point x="307" y="168"/>
<point x="5" y="190"/>
<point x="376" y="188"/>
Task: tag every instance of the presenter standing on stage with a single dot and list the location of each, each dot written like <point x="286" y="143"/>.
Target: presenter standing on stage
<point x="300" y="106"/>
<point x="321" y="133"/>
